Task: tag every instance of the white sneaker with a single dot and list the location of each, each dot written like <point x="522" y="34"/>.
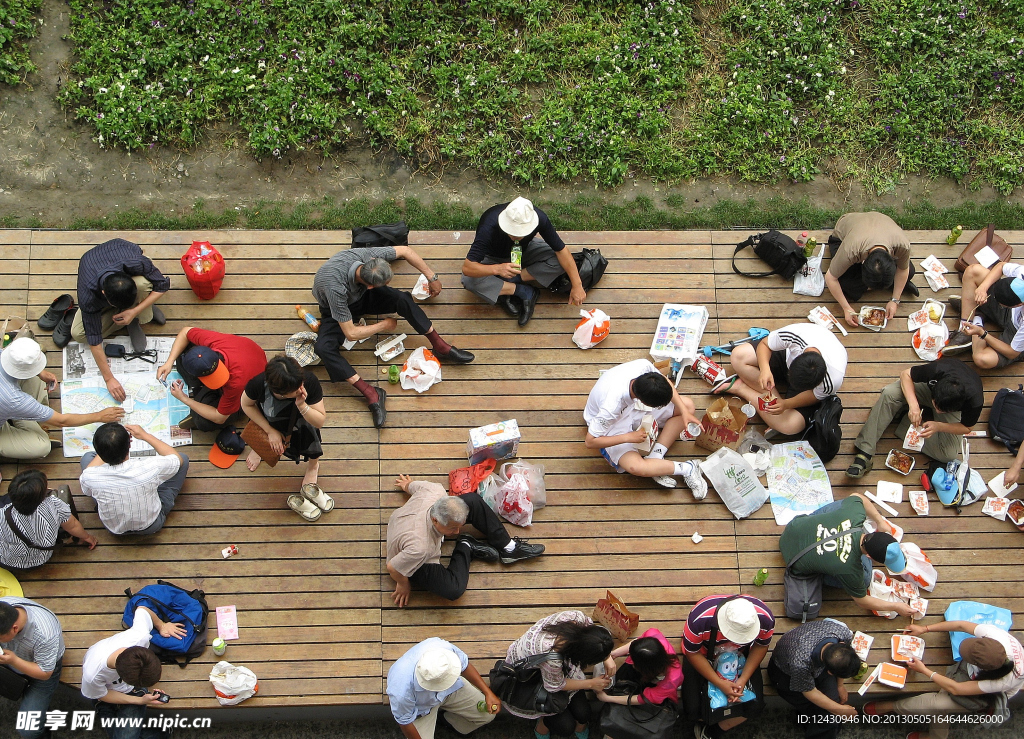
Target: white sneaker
<point x="666" y="481"/>
<point x="696" y="482"/>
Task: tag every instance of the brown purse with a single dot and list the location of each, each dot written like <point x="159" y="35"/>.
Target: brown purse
<point x="985" y="237"/>
<point x="257" y="439"/>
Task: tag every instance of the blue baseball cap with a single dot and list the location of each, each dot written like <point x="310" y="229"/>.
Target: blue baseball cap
<point x="895" y="560"/>
<point x="1018" y="288"/>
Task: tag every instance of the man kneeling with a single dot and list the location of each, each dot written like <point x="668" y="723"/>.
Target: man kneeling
<point x="615" y="410"/>
<point x="417" y="530"/>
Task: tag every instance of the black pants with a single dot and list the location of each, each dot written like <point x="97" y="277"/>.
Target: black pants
<point x="827" y="684"/>
<point x="694" y="697"/>
<point x="852" y="280"/>
<point x="207" y="396"/>
<point x="578" y="712"/>
<point x="450" y="582"/>
<point x="378" y="301"/>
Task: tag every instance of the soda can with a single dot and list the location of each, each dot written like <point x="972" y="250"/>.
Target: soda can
<point x="393" y="374"/>
<point x="761" y="577"/>
<point x="708" y="370"/>
<point x="219" y="646"/>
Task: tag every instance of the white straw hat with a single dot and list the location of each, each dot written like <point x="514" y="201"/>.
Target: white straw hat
<point x="519" y="219"/>
<point x="438" y="669"/>
<point x="738" y="621"/>
<point x="23" y="358"/>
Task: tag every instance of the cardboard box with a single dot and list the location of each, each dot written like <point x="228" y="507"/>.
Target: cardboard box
<point x="494" y="441"/>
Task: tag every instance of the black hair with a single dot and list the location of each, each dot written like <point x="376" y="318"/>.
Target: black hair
<point x="8" y="617"/>
<point x="841" y="660"/>
<point x="650" y="658"/>
<point x="139" y="667"/>
<point x="27" y="490"/>
<point x="112" y="443"/>
<point x="878" y="270"/>
<point x="1004" y="294"/>
<point x="284" y="375"/>
<point x="806" y="372"/>
<point x="948" y="394"/>
<point x="651" y="388"/>
<point x="997" y="673"/>
<point x="582" y="645"/>
<point x="119" y="290"/>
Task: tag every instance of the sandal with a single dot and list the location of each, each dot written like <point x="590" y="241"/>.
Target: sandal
<point x="725" y="385"/>
<point x="315" y="495"/>
<point x="860" y="466"/>
<point x="304" y="508"/>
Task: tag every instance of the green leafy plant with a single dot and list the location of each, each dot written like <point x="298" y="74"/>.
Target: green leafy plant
<point x="17" y="26"/>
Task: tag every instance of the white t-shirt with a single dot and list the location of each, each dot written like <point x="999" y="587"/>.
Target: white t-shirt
<point x="1013" y="681"/>
<point x="1016" y="314"/>
<point x="610" y="410"/>
<point x="97" y="678"/>
<point x="796" y="337"/>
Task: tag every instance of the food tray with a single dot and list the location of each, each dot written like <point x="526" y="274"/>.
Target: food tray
<point x="872" y="318"/>
<point x="892" y="675"/>
<point x="897" y="461"/>
<point x="926" y="313"/>
<point x="903" y="646"/>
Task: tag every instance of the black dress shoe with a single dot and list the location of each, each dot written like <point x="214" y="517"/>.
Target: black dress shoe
<point x="49" y="320"/>
<point x="456" y="356"/>
<point x="62" y="331"/>
<point x="510" y="305"/>
<point x="523" y="550"/>
<point x="913" y="289"/>
<point x="477" y="549"/>
<point x="379" y="410"/>
<point x="528" y="305"/>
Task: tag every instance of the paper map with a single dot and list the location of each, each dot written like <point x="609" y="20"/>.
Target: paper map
<point x="148" y="403"/>
<point x="797" y="481"/>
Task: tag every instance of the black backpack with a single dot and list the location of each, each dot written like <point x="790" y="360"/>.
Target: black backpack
<point x="591" y="265"/>
<point x="824" y="432"/>
<point x="1006" y="419"/>
<point x="782" y="254"/>
<point x="388" y="234"/>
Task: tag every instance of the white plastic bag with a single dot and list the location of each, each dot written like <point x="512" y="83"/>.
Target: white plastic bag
<point x="735" y="481"/>
<point x="881" y="588"/>
<point x="421" y="371"/>
<point x="233" y="684"/>
<point x="929" y="340"/>
<point x="514" y="503"/>
<point x="810" y="280"/>
<point x="920" y="569"/>
<point x="534" y="474"/>
<point x="593" y="329"/>
<point x="420" y="291"/>
<point x="490" y="489"/>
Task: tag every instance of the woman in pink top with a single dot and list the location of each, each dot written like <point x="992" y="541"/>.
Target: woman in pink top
<point x="652" y="663"/>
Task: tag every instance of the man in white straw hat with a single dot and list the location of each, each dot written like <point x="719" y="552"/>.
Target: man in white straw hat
<point x="436" y="675"/>
<point x="24" y="384"/>
<point x="489" y="270"/>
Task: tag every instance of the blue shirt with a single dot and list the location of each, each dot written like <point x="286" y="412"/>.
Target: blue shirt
<point x="408" y="700"/>
<point x="17" y="405"/>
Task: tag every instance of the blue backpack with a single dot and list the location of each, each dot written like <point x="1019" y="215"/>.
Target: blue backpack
<point x="173" y="605"/>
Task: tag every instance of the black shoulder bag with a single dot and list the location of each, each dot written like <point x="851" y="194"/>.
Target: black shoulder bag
<point x="782" y="254"/>
<point x="590" y="263"/>
<point x="521" y="685"/>
<point x="637" y="721"/>
<point x="388" y="234"/>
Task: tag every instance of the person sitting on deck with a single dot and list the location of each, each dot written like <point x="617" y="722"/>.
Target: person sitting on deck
<point x="615" y="411"/>
<point x="998" y="295"/>
<point x="33" y="647"/>
<point x="490" y="273"/>
<point x="417" y="530"/>
<point x="869" y="252"/>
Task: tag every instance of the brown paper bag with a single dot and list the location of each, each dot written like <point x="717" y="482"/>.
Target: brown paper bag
<point x="722" y="425"/>
<point x="613" y="614"/>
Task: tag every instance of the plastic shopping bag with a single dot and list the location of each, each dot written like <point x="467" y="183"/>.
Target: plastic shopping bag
<point x="929" y="340"/>
<point x="490" y="490"/>
<point x="514" y="503"/>
<point x="729" y="665"/>
<point x="920" y="569"/>
<point x="421" y="371"/>
<point x="881" y="587"/>
<point x="204" y="268"/>
<point x="978" y="613"/>
<point x="233" y="684"/>
<point x="735" y="481"/>
<point x="592" y="329"/>
<point x="810" y="280"/>
<point x="534" y="474"/>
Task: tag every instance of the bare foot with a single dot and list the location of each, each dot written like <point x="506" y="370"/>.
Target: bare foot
<point x="253" y="460"/>
<point x="312" y="468"/>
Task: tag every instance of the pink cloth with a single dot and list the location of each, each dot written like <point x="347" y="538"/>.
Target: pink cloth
<point x="668" y="687"/>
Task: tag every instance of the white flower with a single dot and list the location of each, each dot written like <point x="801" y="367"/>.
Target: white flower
<point x="261" y="65"/>
<point x="206" y="58"/>
<point x="236" y="70"/>
<point x="103" y="89"/>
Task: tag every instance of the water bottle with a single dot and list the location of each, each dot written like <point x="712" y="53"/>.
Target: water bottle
<point x="308" y="317"/>
<point x="517" y="255"/>
<point x="954" y="235"/>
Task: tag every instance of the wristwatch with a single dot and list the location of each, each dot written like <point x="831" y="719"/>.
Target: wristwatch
<point x="894" y="300"/>
<point x="435" y="278"/>
<point x="985" y="335"/>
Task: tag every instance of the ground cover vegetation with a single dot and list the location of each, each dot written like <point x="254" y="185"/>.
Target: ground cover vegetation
<point x="542" y="91"/>
<point x="17" y="26"/>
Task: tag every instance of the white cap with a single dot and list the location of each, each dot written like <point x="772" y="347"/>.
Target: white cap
<point x="438" y="669"/>
<point x="519" y="219"/>
<point x="738" y="621"/>
<point x="22" y="359"/>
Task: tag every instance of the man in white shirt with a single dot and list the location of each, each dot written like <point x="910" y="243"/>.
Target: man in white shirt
<point x="808" y="360"/>
<point x="133" y="496"/>
<point x="615" y="410"/>
<point x="118" y="672"/>
<point x="33" y="646"/>
<point x="996" y="294"/>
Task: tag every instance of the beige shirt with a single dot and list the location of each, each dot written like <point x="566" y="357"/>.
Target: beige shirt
<point x="412" y="539"/>
<point x="862" y="232"/>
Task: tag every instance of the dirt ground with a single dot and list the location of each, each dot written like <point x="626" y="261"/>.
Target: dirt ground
<point x="52" y="170"/>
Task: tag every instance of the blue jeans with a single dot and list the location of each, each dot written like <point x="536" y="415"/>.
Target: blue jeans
<point x="168" y="492"/>
<point x="126" y="711"/>
<point x="37" y="698"/>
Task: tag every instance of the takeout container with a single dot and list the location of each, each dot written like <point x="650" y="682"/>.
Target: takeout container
<point x="861" y="644"/>
<point x="895" y="458"/>
<point x="1016" y="514"/>
<point x="919" y="502"/>
<point x="913" y="441"/>
<point x="924" y="315"/>
<point x="892" y="675"/>
<point x="866" y="312"/>
<point x="904" y="646"/>
<point x="389" y="348"/>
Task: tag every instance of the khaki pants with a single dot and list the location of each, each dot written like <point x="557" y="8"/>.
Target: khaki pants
<point x="26" y="439"/>
<point x="144" y="287"/>
<point x="942" y="446"/>
<point x="932" y="704"/>
<point x="459" y="710"/>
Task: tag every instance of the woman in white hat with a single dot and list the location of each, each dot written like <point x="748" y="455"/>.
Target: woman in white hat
<point x="490" y="272"/>
<point x="24" y="403"/>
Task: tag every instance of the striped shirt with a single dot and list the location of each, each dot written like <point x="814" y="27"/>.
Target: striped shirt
<point x="334" y="285"/>
<point x="17" y="405"/>
<point x="125" y="494"/>
<point x="702" y="618"/>
<point x="797" y="337"/>
<point x="798" y="652"/>
<point x="116" y="255"/>
<point x="41" y="641"/>
<point x="41" y="527"/>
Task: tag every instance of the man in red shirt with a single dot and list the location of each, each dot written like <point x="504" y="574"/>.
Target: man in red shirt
<point x="215" y="367"/>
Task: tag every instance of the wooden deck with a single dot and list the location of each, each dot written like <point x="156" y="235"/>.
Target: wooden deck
<point x="316" y="620"/>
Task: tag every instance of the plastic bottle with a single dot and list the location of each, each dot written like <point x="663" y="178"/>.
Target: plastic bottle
<point x="810" y="246"/>
<point x="219" y="646"/>
<point x="801" y="240"/>
<point x="954" y="235"/>
<point x="761" y="577"/>
<point x="517" y="255"/>
<point x="309" y="318"/>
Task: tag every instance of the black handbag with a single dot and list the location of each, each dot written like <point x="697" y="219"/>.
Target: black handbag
<point x="521" y="685"/>
<point x="637" y="721"/>
<point x="12" y="685"/>
<point x="388" y="234"/>
<point x="780" y="252"/>
<point x="591" y="265"/>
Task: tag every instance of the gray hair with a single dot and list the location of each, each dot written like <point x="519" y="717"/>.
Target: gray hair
<point x="376" y="272"/>
<point x="449" y="510"/>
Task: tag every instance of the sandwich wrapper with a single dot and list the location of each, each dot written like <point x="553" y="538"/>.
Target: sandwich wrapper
<point x="996" y="507"/>
<point x="420" y="290"/>
<point x="997" y="486"/>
